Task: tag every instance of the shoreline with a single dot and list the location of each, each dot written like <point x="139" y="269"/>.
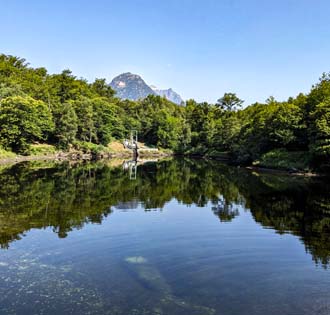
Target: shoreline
<point x="261" y="169"/>
<point x="81" y="156"/>
<point x="283" y="172"/>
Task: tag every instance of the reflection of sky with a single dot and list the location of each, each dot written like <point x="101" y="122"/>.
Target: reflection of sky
<point x="230" y="266"/>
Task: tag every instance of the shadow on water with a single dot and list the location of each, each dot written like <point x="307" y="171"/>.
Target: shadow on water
<point x="66" y="197"/>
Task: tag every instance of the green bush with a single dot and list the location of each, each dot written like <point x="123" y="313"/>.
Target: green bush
<point x="41" y="149"/>
<point x="90" y="148"/>
<point x="285" y="160"/>
<point x="6" y="154"/>
<point x="23" y="120"/>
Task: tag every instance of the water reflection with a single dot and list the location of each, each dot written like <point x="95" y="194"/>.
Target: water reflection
<point x="225" y="211"/>
<point x="68" y="196"/>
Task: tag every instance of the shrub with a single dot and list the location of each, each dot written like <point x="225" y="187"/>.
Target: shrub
<point x="285" y="160"/>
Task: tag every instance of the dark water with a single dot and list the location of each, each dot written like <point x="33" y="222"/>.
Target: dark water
<point x="183" y="237"/>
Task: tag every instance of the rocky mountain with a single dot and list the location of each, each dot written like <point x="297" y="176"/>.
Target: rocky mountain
<point x="169" y="94"/>
<point x="133" y="87"/>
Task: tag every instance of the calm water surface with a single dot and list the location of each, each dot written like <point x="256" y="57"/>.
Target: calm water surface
<point x="176" y="237"/>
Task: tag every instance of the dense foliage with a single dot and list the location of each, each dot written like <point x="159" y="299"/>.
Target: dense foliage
<point x="65" y="111"/>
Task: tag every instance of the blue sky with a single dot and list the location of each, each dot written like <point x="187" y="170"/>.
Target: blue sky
<point x="200" y="48"/>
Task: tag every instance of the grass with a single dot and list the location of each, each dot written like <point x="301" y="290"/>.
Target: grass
<point x="6" y="154"/>
<point x="116" y="146"/>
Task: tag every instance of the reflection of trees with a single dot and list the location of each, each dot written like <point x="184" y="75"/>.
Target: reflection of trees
<point x="224" y="210"/>
<point x="293" y="205"/>
<point x="59" y="197"/>
<point x="66" y="197"/>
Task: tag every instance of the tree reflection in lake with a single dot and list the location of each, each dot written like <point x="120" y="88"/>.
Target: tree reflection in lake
<point x="67" y="196"/>
<point x="225" y="211"/>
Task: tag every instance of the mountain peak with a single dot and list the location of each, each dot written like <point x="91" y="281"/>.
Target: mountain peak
<point x="133" y="87"/>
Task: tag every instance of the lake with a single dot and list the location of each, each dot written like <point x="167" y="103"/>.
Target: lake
<point x="170" y="237"/>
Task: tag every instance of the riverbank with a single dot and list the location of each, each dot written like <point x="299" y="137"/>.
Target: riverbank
<point x="276" y="161"/>
<point x="113" y="151"/>
<point x="282" y="172"/>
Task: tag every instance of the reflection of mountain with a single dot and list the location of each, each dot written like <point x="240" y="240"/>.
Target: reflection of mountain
<point x="66" y="197"/>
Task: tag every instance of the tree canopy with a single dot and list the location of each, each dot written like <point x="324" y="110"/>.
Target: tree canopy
<point x="63" y="110"/>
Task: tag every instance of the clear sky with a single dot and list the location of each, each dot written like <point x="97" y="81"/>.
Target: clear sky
<point x="200" y="48"/>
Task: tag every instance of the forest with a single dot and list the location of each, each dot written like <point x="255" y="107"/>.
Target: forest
<point x="67" y="112"/>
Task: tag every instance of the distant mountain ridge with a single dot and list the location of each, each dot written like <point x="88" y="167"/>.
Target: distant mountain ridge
<point x="132" y="87"/>
<point x="169" y="94"/>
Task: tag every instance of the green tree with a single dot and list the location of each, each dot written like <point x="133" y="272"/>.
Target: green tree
<point x="169" y="131"/>
<point x="230" y="102"/>
<point x="320" y="133"/>
<point x="101" y="88"/>
<point x="107" y="121"/>
<point x="66" y="123"/>
<point x="200" y="117"/>
<point x="285" y="125"/>
<point x="319" y="92"/>
<point x="23" y="120"/>
<point x="86" y="127"/>
<point x="7" y="90"/>
<point x="226" y="131"/>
